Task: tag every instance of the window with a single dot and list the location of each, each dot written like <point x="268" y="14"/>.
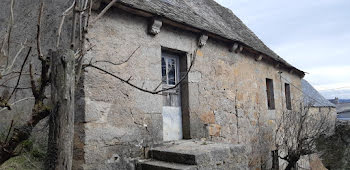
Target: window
<point x="270" y="94"/>
<point x="288" y="99"/>
<point x="169" y="70"/>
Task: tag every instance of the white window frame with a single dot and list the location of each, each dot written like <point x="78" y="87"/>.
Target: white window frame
<point x="167" y="56"/>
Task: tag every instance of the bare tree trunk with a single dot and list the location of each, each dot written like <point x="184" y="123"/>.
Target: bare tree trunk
<point x="275" y="160"/>
<point x="60" y="147"/>
<point x="291" y="166"/>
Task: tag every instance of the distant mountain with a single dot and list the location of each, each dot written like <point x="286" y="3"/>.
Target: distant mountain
<point x="343" y="94"/>
<point x="344" y="100"/>
<point x="340" y="101"/>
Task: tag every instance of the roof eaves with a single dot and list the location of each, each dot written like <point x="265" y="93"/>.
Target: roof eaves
<point x="279" y="60"/>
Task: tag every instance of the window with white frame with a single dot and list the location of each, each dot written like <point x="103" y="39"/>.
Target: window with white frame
<point x="169" y="69"/>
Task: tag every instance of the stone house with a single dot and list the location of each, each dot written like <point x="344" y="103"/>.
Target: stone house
<point x="318" y="104"/>
<point x="313" y="97"/>
<point x="233" y="93"/>
<point x="221" y="116"/>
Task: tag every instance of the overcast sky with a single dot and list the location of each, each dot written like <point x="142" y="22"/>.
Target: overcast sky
<point x="312" y="35"/>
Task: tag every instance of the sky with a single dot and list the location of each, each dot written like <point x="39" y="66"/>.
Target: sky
<point x="312" y="35"/>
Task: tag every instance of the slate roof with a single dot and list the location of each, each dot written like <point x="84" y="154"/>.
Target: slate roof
<point x="343" y="107"/>
<point x="313" y="97"/>
<point x="209" y="16"/>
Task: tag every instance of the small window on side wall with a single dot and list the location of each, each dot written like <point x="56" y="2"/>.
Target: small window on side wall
<point x="270" y="94"/>
<point x="288" y="99"/>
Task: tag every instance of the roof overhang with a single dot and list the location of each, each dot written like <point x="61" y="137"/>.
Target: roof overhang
<point x="131" y="9"/>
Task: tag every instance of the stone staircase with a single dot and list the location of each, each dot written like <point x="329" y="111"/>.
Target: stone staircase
<point x="195" y="155"/>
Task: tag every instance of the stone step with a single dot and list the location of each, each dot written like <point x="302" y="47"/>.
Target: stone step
<point x="177" y="157"/>
<point x="192" y="152"/>
<point x="160" y="165"/>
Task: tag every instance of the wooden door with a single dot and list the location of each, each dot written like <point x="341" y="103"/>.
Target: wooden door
<point x="172" y="116"/>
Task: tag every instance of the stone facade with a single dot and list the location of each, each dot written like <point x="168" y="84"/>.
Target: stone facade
<point x="226" y="94"/>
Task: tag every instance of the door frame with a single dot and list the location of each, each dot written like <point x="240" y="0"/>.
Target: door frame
<point x="183" y="60"/>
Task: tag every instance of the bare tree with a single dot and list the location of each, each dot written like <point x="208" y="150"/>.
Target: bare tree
<point x="297" y="132"/>
<point x="38" y="85"/>
<point x="10" y="78"/>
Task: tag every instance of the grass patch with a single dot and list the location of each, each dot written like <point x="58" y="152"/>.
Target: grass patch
<point x="31" y="158"/>
<point x="24" y="161"/>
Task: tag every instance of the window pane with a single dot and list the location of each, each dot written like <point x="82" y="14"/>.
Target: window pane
<point x="270" y="94"/>
<point x="171" y="71"/>
<point x="163" y="71"/>
<point x="288" y="99"/>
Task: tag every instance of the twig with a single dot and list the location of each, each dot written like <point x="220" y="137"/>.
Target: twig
<point x="18" y="101"/>
<point x="8" y="37"/>
<point x="89" y="15"/>
<point x="13" y="72"/>
<point x="7" y="80"/>
<point x="32" y="81"/>
<point x="41" y="9"/>
<point x="80" y="26"/>
<point x="78" y="69"/>
<point x="103" y="11"/>
<point x="14" y="59"/>
<point x="10" y="29"/>
<point x="8" y="133"/>
<point x="109" y="62"/>
<point x="65" y="13"/>
<point x="3" y="46"/>
<point x="12" y="87"/>
<point x="72" y="44"/>
<point x="140" y="88"/>
<point x="20" y="73"/>
<point x="157" y="86"/>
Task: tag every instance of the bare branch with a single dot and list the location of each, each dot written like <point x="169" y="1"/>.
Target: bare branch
<point x="32" y="81"/>
<point x="89" y="15"/>
<point x="65" y="13"/>
<point x="18" y="101"/>
<point x="104" y="11"/>
<point x="73" y="27"/>
<point x="12" y="87"/>
<point x="127" y="81"/>
<point x="41" y="9"/>
<point x="8" y="133"/>
<point x="78" y="69"/>
<point x="8" y="37"/>
<point x="6" y="70"/>
<point x="8" y="79"/>
<point x="10" y="29"/>
<point x="20" y="73"/>
<point x="120" y="63"/>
